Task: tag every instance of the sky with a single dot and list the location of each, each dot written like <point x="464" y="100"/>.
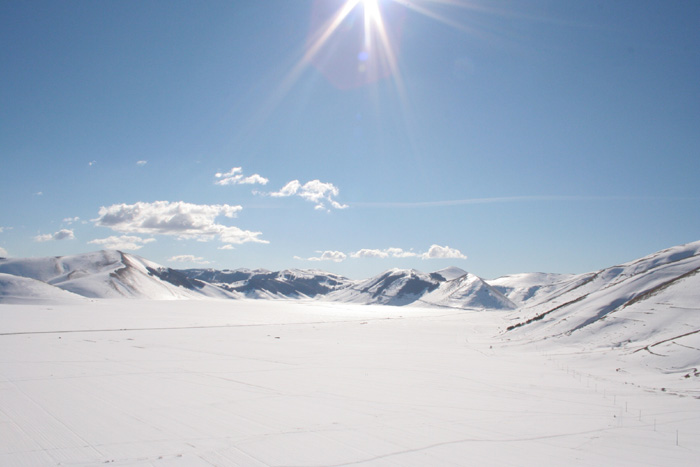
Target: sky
<point x="351" y="136"/>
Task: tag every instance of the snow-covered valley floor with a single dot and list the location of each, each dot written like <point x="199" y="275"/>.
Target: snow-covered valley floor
<point x="310" y="383"/>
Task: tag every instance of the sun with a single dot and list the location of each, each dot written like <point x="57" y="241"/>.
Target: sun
<point x="354" y="42"/>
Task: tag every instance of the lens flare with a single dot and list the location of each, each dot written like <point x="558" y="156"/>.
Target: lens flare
<point x="355" y="43"/>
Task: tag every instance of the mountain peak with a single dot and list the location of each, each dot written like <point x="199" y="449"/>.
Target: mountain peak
<point x="451" y="273"/>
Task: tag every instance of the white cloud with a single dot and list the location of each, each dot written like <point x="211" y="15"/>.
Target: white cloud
<point x="434" y="252"/>
<point x="91" y="163"/>
<point x="3" y="252"/>
<point x="70" y="220"/>
<point x="441" y="252"/>
<point x="63" y="234"/>
<point x="141" y="163"/>
<point x="367" y="253"/>
<point x="39" y="193"/>
<point x="235" y="177"/>
<point x="335" y="256"/>
<point x="315" y="191"/>
<point x="399" y="253"/>
<point x="393" y="252"/>
<point x="180" y="219"/>
<point x="2" y="229"/>
<point x="188" y="259"/>
<point x="228" y="246"/>
<point x="289" y="189"/>
<point x="123" y="242"/>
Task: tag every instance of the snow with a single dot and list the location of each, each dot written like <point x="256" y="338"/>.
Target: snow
<point x="15" y="289"/>
<point x="451" y="273"/>
<point x="468" y="291"/>
<point x="312" y="383"/>
<point x="600" y="368"/>
<point x="105" y="274"/>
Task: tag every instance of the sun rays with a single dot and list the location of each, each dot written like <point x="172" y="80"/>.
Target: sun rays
<point x="356" y="43"/>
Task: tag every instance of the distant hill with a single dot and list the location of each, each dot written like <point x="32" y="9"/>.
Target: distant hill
<point x="109" y="274"/>
<point x="622" y="302"/>
<point x="260" y="283"/>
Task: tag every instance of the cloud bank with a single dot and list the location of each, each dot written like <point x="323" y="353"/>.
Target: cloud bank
<point x="180" y="219"/>
<point x="434" y="252"/>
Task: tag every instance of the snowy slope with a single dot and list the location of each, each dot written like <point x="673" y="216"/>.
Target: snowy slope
<point x="17" y="289"/>
<point x="451" y="287"/>
<point x="654" y="297"/>
<point x="534" y="287"/>
<point x="392" y="287"/>
<point x="468" y="291"/>
<point x="110" y="274"/>
<point x="226" y="276"/>
<point x="261" y="283"/>
<point x="450" y="273"/>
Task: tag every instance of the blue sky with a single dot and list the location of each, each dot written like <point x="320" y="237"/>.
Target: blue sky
<point x="496" y="136"/>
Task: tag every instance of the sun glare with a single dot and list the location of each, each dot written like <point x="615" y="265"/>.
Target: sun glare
<point x="354" y="43"/>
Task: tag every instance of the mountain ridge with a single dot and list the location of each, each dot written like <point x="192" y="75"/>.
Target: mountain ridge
<point x="537" y="297"/>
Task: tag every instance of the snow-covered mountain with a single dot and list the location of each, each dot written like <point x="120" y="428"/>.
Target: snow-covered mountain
<point x="533" y="287"/>
<point x="451" y="287"/>
<point x="648" y="300"/>
<point x="392" y="287"/>
<point x="260" y="283"/>
<point x="18" y="289"/>
<point x="107" y="274"/>
<point x="546" y="305"/>
<point x="468" y="291"/>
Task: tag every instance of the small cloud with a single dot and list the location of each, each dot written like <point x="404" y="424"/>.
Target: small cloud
<point x="70" y="220"/>
<point x="226" y="247"/>
<point x="63" y="234"/>
<point x="399" y="253"/>
<point x="335" y="256"/>
<point x="235" y="177"/>
<point x="91" y="163"/>
<point x="2" y="229"/>
<point x="3" y="252"/>
<point x="368" y="253"/>
<point x="315" y="191"/>
<point x="141" y="163"/>
<point x="123" y="242"/>
<point x="38" y="193"/>
<point x="387" y="252"/>
<point x="289" y="189"/>
<point x="188" y="259"/>
<point x="442" y="252"/>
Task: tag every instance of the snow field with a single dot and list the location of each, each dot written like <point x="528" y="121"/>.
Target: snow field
<point x="277" y="383"/>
